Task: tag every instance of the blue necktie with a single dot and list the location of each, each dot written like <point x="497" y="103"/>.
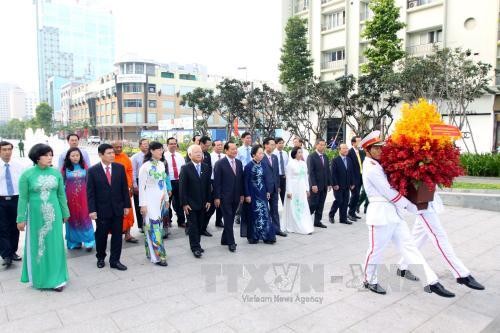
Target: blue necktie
<point x="198" y="169"/>
<point x="282" y="163"/>
<point x="345" y="162"/>
<point x="248" y="154"/>
<point x="8" y="178"/>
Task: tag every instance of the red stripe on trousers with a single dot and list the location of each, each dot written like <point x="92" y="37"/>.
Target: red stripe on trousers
<point x="439" y="246"/>
<point x="371" y="252"/>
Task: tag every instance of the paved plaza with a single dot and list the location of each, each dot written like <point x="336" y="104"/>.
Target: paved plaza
<point x="304" y="283"/>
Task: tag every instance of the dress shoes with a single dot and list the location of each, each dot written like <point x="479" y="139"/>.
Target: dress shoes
<point x="253" y="241"/>
<point x="100" y="263"/>
<point x="346" y="222"/>
<point x="89" y="249"/>
<point x="320" y="225"/>
<point x="232" y="247"/>
<point x="351" y="218"/>
<point x="281" y="233"/>
<point x="219" y="224"/>
<point x="132" y="240"/>
<point x="206" y="233"/>
<point x="162" y="263"/>
<point x="270" y="242"/>
<point x="438" y="289"/>
<point x="376" y="288"/>
<point x="354" y="216"/>
<point x="332" y="220"/>
<point x="407" y="274"/>
<point x="59" y="289"/>
<point x="7" y="262"/>
<point x="202" y="250"/>
<point x="15" y="257"/>
<point x="119" y="266"/>
<point x="470" y="282"/>
<point x="197" y="253"/>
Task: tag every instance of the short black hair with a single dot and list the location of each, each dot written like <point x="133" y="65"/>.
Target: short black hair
<point x="226" y="145"/>
<point x="39" y="150"/>
<point x="204" y="139"/>
<point x="6" y="143"/>
<point x="216" y="140"/>
<point x="142" y="140"/>
<point x="68" y="165"/>
<point x="194" y="137"/>
<point x="245" y="134"/>
<point x="153" y="146"/>
<point x="278" y="140"/>
<point x="171" y="138"/>
<point x="354" y="138"/>
<point x="294" y="151"/>
<point x="267" y="140"/>
<point x="254" y="150"/>
<point x="72" y="134"/>
<point x="103" y="147"/>
<point x="318" y="140"/>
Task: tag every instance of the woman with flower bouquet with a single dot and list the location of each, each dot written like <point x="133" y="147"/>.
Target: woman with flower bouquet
<point x="420" y="155"/>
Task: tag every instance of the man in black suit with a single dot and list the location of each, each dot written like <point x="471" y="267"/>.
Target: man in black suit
<point x="357" y="157"/>
<point x="272" y="178"/>
<point x="194" y="191"/>
<point x="108" y="201"/>
<point x="228" y="191"/>
<point x="319" y="181"/>
<point x="205" y="143"/>
<point x="342" y="182"/>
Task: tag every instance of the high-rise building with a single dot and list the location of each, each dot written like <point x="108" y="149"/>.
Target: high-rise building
<point x="31" y="103"/>
<point x="334" y="35"/>
<point x="75" y="41"/>
<point x="12" y="102"/>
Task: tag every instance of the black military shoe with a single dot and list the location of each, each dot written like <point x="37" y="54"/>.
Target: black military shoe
<point x="470" y="282"/>
<point x="407" y="274"/>
<point x="376" y="288"/>
<point x="438" y="289"/>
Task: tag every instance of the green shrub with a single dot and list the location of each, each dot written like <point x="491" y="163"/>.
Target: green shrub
<point x="482" y="165"/>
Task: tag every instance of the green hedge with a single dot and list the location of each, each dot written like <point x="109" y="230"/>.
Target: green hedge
<point x="482" y="165"/>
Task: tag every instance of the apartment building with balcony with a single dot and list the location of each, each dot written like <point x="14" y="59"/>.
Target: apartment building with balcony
<point x="135" y="97"/>
<point x="336" y="45"/>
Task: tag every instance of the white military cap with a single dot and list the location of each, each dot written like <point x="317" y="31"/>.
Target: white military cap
<point x="372" y="139"/>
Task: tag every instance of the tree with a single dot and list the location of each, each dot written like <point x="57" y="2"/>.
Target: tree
<point x="204" y="103"/>
<point x="43" y="117"/>
<point x="296" y="61"/>
<point x="231" y="95"/>
<point x="14" y="129"/>
<point x="267" y="106"/>
<point x="385" y="48"/>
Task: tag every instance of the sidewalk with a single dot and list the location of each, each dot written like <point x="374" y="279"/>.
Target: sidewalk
<point x="183" y="298"/>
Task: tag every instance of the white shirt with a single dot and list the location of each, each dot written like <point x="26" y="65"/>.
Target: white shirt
<point x="137" y="161"/>
<point x="16" y="169"/>
<point x="285" y="160"/>
<point x="179" y="161"/>
<point x="244" y="154"/>
<point x="214" y="158"/>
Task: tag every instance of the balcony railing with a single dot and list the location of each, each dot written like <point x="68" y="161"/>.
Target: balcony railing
<point x="416" y="3"/>
<point x="300" y="6"/>
<point x="335" y="65"/>
<point x="424" y="49"/>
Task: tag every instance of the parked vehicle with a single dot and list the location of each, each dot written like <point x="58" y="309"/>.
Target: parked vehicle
<point x="94" y="139"/>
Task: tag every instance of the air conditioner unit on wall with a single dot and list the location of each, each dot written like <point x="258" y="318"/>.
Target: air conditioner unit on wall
<point x="412" y="4"/>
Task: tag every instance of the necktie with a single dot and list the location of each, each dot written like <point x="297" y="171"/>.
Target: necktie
<point x="108" y="175"/>
<point x="248" y="154"/>
<point x="8" y="178"/>
<point x="198" y="170"/>
<point x="270" y="161"/>
<point x="322" y="160"/>
<point x="233" y="166"/>
<point x="219" y="156"/>
<point x="345" y="162"/>
<point x="174" y="166"/>
<point x="282" y="163"/>
<point x="359" y="161"/>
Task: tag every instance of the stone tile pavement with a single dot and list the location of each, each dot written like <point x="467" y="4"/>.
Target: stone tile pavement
<point x="188" y="295"/>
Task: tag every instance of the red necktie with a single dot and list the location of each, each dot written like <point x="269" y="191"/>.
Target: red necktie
<point x="322" y="160"/>
<point x="108" y="175"/>
<point x="174" y="166"/>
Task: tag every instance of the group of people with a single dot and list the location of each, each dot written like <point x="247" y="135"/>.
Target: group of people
<point x="245" y="185"/>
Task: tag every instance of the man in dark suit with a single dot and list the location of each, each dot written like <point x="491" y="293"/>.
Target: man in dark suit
<point x="342" y="182"/>
<point x="205" y="143"/>
<point x="194" y="191"/>
<point x="272" y="178"/>
<point x="357" y="157"/>
<point x="108" y="201"/>
<point x="319" y="181"/>
<point x="228" y="191"/>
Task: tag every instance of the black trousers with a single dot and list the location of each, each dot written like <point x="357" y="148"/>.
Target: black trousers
<point x="175" y="202"/>
<point x="195" y="220"/>
<point x="229" y="212"/>
<point x="340" y="203"/>
<point x="9" y="235"/>
<point x="137" y="209"/>
<point x="282" y="189"/>
<point x="353" y="202"/>
<point x="219" y="215"/>
<point x="273" y="210"/>
<point x="103" y="227"/>
<point x="317" y="203"/>
<point x="209" y="213"/>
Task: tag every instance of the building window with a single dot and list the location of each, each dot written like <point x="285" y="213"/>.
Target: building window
<point x="333" y="20"/>
<point x="132" y="118"/>
<point x="152" y="88"/>
<point x="184" y="90"/>
<point x="113" y="105"/>
<point x="187" y="77"/>
<point x="167" y="75"/>
<point x="139" y="68"/>
<point x="151" y="117"/>
<point x="132" y="103"/>
<point x="132" y="87"/>
<point x="365" y="12"/>
<point x="168" y="89"/>
<point x="129" y="68"/>
<point x="424" y="42"/>
<point x="168" y="104"/>
<point x="152" y="103"/>
<point x="333" y="59"/>
<point x="150" y="69"/>
<point x="114" y="119"/>
<point x="167" y="116"/>
<point x="435" y="36"/>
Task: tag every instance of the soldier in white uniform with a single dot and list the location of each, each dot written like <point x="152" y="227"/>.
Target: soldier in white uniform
<point x="428" y="226"/>
<point x="385" y="223"/>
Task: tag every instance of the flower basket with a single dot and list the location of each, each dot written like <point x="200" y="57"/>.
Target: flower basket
<point x="420" y="195"/>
